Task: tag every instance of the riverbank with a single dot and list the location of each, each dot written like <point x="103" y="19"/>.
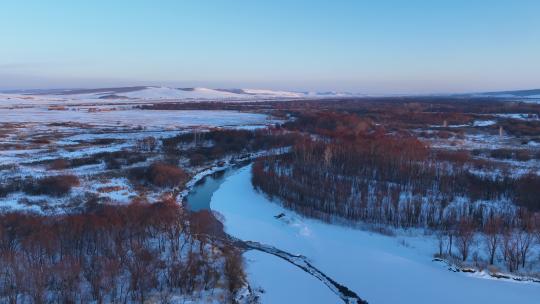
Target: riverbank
<point x="218" y="166"/>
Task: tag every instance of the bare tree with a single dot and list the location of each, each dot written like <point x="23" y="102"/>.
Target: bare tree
<point x="524" y="235"/>
<point x="510" y="250"/>
<point x="441" y="241"/>
<point x="464" y="237"/>
<point x="449" y="226"/>
<point x="147" y="144"/>
<point x="524" y="241"/>
<point x="233" y="270"/>
<point x="492" y="237"/>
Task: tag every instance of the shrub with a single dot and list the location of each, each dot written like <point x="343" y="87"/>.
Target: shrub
<point x="444" y="134"/>
<point x="59" y="164"/>
<point x="58" y="185"/>
<point x="528" y="192"/>
<point x="147" y="144"/>
<point x="112" y="164"/>
<point x="84" y="161"/>
<point x="501" y="153"/>
<point x="197" y="159"/>
<point x="43" y="141"/>
<point x="164" y="175"/>
<point x="117" y="159"/>
<point x="461" y="156"/>
<point x="523" y="155"/>
<point x="158" y="174"/>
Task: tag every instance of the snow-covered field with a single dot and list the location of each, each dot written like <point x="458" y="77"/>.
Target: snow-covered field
<point x="132" y="117"/>
<point x="67" y="129"/>
<point x="519" y="116"/>
<point x="380" y="269"/>
<point x="32" y="137"/>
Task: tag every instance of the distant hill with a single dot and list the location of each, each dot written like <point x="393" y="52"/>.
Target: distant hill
<point x="153" y="93"/>
<point x="533" y="94"/>
<point x="133" y="93"/>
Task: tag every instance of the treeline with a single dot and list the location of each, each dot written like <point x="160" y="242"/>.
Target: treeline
<point x="522" y="128"/>
<point x="109" y="254"/>
<point x="507" y="154"/>
<point x="388" y="179"/>
<point x="350" y="167"/>
<point x="483" y="105"/>
<point x="203" y="147"/>
<point x="499" y="242"/>
<point x="330" y="124"/>
<point x="112" y="160"/>
<point x="202" y="105"/>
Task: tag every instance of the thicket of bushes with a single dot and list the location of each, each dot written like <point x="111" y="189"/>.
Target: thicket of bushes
<point x="56" y="185"/>
<point x="159" y="174"/>
<point x="203" y="147"/>
<point x="112" y="160"/>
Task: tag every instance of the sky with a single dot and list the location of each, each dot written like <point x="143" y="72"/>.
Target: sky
<point x="373" y="47"/>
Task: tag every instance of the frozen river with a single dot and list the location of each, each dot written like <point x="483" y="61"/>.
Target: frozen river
<point x="380" y="269"/>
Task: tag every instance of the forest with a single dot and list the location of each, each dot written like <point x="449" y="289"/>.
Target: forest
<point x="135" y="253"/>
<point x="349" y="167"/>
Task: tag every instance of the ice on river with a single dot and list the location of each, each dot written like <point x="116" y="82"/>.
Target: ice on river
<point x="287" y="283"/>
<point x="380" y="269"/>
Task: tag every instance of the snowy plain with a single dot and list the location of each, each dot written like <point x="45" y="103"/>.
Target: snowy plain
<point x="380" y="269"/>
<point x="30" y="137"/>
<point x="132" y="117"/>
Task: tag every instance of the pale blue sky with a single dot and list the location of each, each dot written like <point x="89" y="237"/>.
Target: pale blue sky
<point x="381" y="46"/>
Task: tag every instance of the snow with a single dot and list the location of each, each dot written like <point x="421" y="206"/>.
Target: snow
<point x="172" y="93"/>
<point x="449" y="126"/>
<point x="134" y="117"/>
<point x="380" y="269"/>
<point x="154" y="93"/>
<point x="519" y="116"/>
<point x="288" y="284"/>
<point x="121" y="189"/>
<point x="145" y="94"/>
<point x="484" y="123"/>
<point x="271" y="93"/>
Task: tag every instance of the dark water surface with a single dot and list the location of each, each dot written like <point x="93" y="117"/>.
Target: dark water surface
<point x="200" y="196"/>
